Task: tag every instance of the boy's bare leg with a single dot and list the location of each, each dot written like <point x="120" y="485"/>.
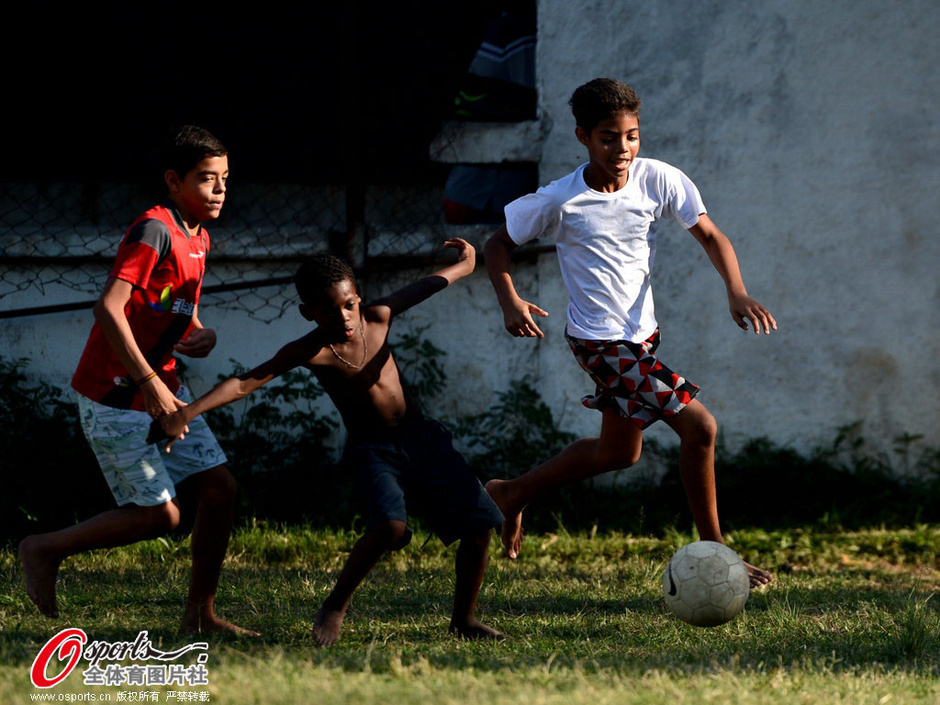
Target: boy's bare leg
<point x="41" y="554"/>
<point x="618" y="447"/>
<point x="363" y="557"/>
<point x="698" y="434"/>
<point x="470" y="566"/>
<point x="211" y="532"/>
<point x="511" y="533"/>
<point x="40" y="572"/>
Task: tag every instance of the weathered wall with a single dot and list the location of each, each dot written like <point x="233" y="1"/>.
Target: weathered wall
<point x="811" y="131"/>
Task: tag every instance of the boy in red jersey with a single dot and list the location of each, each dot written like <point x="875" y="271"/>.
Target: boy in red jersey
<point x="127" y="376"/>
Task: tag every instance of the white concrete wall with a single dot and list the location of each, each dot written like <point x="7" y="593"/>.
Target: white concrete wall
<point x="811" y="131"/>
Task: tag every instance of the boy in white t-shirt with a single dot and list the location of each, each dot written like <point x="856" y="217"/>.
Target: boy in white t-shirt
<point x="603" y="219"/>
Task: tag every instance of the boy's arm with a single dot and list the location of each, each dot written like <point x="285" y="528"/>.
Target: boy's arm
<point x="721" y="253"/>
<point x="517" y="313"/>
<point x="413" y="294"/>
<point x="109" y="313"/>
<point x="174" y="426"/>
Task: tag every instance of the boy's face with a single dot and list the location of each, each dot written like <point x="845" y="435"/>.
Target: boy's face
<point x="200" y="194"/>
<point x="612" y="146"/>
<point x="336" y="310"/>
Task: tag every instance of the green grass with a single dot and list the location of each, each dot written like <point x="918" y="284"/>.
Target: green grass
<point x="853" y="617"/>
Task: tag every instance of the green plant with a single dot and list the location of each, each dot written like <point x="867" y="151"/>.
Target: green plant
<point x="50" y="476"/>
<point x="420" y="364"/>
<point x="277" y="441"/>
<point x="917" y="627"/>
<point x="282" y="446"/>
<point x="844" y="484"/>
<point x="514" y="435"/>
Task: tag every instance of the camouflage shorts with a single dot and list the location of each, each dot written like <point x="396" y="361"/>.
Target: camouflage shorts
<point x="138" y="472"/>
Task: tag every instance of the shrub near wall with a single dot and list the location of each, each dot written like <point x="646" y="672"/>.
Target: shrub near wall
<point x="276" y="450"/>
<point x="280" y="452"/>
<point x="277" y="445"/>
<point x="50" y="477"/>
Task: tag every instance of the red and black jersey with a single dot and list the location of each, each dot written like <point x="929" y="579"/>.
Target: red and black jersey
<point x="166" y="267"/>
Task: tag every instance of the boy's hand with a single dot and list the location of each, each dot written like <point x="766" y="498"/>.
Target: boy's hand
<point x="465" y="252"/>
<point x="198" y="343"/>
<point x="170" y="427"/>
<point x="158" y="399"/>
<point x="744" y="309"/>
<point x="519" y="322"/>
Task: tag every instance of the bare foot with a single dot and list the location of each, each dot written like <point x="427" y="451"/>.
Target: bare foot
<point x="511" y="534"/>
<point x="474" y="630"/>
<point x="757" y="576"/>
<point x="212" y="625"/>
<point x="40" y="571"/>
<point x="328" y="625"/>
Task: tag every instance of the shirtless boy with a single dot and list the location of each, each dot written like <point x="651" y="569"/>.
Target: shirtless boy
<point x="394" y="454"/>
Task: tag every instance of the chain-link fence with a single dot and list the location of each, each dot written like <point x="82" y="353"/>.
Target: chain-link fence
<point x="400" y="74"/>
<point x="58" y="240"/>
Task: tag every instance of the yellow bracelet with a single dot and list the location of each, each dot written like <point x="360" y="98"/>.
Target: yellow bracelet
<point x="146" y="379"/>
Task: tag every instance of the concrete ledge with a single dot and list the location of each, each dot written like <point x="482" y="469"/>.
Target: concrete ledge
<point x="489" y="142"/>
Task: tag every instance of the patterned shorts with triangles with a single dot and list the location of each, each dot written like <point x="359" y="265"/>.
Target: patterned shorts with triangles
<point x="631" y="380"/>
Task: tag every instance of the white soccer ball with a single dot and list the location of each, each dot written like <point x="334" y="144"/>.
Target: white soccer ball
<point x="706" y="584"/>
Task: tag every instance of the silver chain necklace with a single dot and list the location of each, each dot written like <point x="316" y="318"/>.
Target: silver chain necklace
<point x="365" y="351"/>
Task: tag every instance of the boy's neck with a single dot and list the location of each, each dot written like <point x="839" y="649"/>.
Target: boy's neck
<point x="189" y="223"/>
<point x="604" y="185"/>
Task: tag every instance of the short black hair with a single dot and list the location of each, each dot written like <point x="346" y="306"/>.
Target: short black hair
<point x="188" y="145"/>
<point x="600" y="99"/>
<point x="319" y="273"/>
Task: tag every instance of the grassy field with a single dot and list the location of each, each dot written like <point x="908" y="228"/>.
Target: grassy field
<point x="853" y="617"/>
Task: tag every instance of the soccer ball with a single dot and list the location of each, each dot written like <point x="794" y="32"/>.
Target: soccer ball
<point x="706" y="584"/>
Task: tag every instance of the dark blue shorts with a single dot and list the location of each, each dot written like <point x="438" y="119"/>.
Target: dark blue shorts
<point x="415" y="469"/>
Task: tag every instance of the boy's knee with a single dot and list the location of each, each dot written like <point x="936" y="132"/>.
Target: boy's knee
<point x="163" y="518"/>
<point x="218" y="487"/>
<point x="479" y="540"/>
<point x="705" y="431"/>
<point x="617" y="457"/>
<point x="628" y="457"/>
<point x="710" y="427"/>
<point x="391" y="533"/>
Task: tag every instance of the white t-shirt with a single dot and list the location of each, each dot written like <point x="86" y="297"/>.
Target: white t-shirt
<point x="606" y="243"/>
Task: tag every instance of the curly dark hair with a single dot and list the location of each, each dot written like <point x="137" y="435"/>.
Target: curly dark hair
<point x="600" y="99"/>
<point x="318" y="273"/>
